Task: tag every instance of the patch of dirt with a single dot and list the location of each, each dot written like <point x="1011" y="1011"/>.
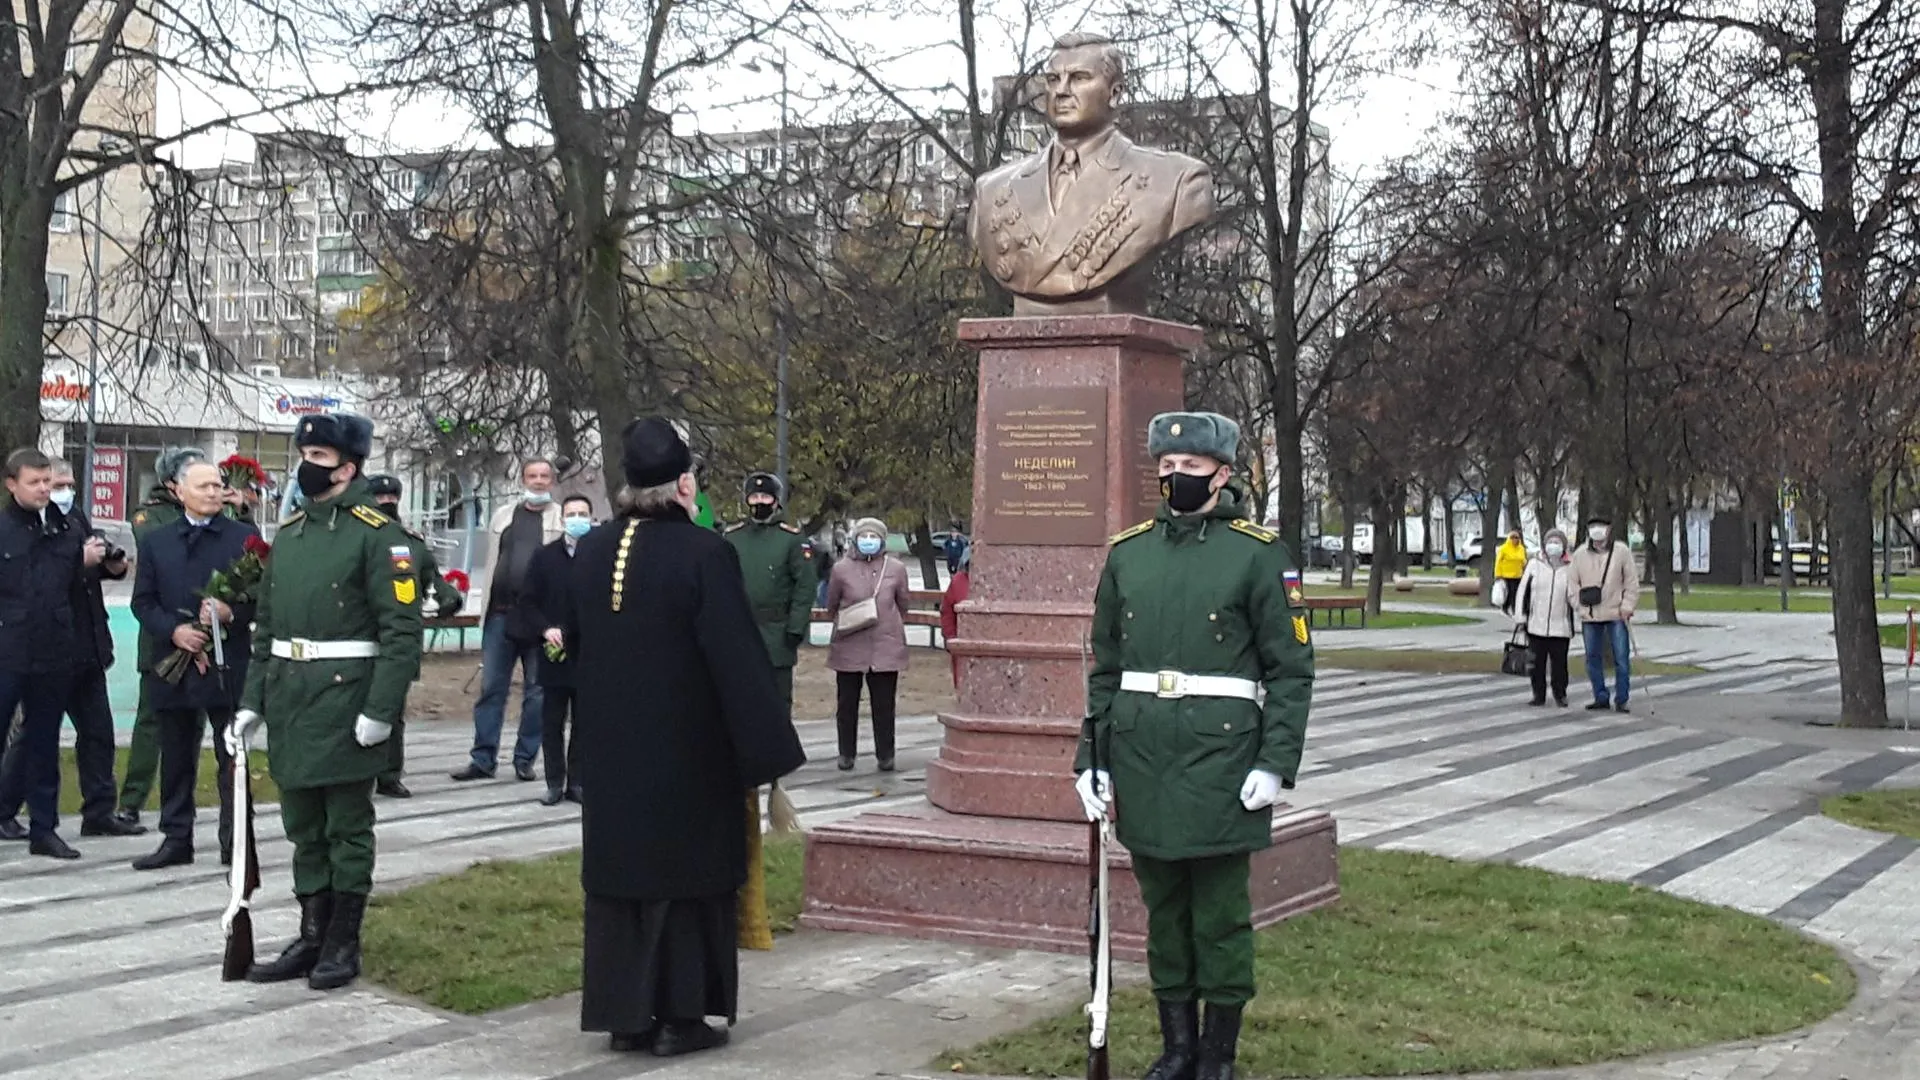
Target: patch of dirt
<point x="449" y="683"/>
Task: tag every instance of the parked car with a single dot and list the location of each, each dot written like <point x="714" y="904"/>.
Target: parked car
<point x="1323" y="552"/>
<point x="1470" y="552"/>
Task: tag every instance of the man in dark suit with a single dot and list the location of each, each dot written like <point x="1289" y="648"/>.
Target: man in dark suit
<point x="546" y="598"/>
<point x="1075" y="228"/>
<point x="175" y="563"/>
<point x="87" y="704"/>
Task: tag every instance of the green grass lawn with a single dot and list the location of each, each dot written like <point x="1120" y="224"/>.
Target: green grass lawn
<point x="1433" y="966"/>
<point x="1892" y="810"/>
<point x="1438" y="662"/>
<point x="1893" y="635"/>
<point x="505" y="933"/>
<point x="206" y="792"/>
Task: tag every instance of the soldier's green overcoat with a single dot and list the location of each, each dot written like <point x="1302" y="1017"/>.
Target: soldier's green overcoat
<point x="781" y="583"/>
<point x="1203" y="594"/>
<point x="340" y="571"/>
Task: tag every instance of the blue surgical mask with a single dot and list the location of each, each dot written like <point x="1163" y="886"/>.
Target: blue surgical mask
<point x="537" y="498"/>
<point x="63" y="498"/>
<point x="578" y="527"/>
<point x="867" y="545"/>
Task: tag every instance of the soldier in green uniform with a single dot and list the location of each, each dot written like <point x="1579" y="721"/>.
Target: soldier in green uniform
<point x="447" y="601"/>
<point x="161" y="508"/>
<point x="336" y="641"/>
<point x="781" y="579"/>
<point x="1197" y="709"/>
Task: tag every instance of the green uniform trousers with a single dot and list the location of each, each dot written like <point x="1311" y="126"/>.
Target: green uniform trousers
<point x="143" y="755"/>
<point x="1199" y="928"/>
<point x="331" y="829"/>
<point x="396" y="751"/>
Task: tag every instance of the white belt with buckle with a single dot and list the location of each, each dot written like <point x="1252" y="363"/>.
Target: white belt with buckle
<point x="1179" y="684"/>
<point x="303" y="650"/>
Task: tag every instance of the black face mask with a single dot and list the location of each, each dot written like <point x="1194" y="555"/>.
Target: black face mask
<point x="762" y="511"/>
<point x="314" y="479"/>
<point x="1186" y="492"/>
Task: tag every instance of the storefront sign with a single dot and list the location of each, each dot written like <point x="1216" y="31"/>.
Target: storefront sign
<point x="282" y="403"/>
<point x="108" y="501"/>
<point x="64" y="391"/>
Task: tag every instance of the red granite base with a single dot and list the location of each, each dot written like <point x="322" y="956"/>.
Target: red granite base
<point x="1008" y="883"/>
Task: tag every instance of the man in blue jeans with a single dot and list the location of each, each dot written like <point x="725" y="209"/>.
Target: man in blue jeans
<point x="1606" y="588"/>
<point x="519" y="529"/>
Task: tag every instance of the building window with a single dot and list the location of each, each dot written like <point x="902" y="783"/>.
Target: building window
<point x="292" y="348"/>
<point x="259" y="348"/>
<point x="289" y="307"/>
<point x="294" y="268"/>
<point x="63" y="216"/>
<point x="300" y="229"/>
<point x="231" y="270"/>
<point x="204" y="271"/>
<point x="763" y="158"/>
<point x="330" y="342"/>
<point x="229" y="194"/>
<point x="924" y="151"/>
<point x="359" y="221"/>
<point x="56" y="294"/>
<point x="332" y="224"/>
<point x="230" y="309"/>
<point x="262" y="308"/>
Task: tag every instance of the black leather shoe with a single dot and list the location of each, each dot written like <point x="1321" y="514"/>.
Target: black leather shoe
<point x="473" y="772"/>
<point x="524" y="771"/>
<point x="1622" y="707"/>
<point x="1179" y="1041"/>
<point x="845" y="764"/>
<point x="630" y="1043"/>
<point x="170" y="853"/>
<point x="11" y="829"/>
<point x="226" y="856"/>
<point x="1599" y="706"/>
<point x="52" y="847"/>
<point x="127" y="817"/>
<point x="1537" y="702"/>
<point x="111" y="827"/>
<point x="886" y="764"/>
<point x="677" y="1037"/>
<point x="392" y="789"/>
<point x="553" y="797"/>
<point x="339" y="962"/>
<point x="1560" y="701"/>
<point x="297" y="959"/>
<point x="574" y="794"/>
<point x="1219" y="1043"/>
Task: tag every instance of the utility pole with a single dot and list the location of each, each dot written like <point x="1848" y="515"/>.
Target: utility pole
<point x="780" y="313"/>
<point x="107" y="145"/>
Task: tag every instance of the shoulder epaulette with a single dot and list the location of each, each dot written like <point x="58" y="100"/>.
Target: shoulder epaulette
<point x="735" y="527"/>
<point x="1128" y="534"/>
<point x="371" y="516"/>
<point x="415" y="535"/>
<point x="1258" y="532"/>
<point x="790" y="528"/>
<point x="293" y="517"/>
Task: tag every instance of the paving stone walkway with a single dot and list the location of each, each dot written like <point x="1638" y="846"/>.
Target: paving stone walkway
<point x="1703" y="793"/>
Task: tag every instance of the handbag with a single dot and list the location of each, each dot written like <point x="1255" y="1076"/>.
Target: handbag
<point x="1590" y="595"/>
<point x="1517" y="659"/>
<point x="865" y="613"/>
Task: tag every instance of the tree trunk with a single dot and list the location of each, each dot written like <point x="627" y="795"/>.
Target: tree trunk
<point x="1546" y="499"/>
<point x="1685" y="544"/>
<point x="1453" y="538"/>
<point x="1660" y="554"/>
<point x="23" y="316"/>
<point x="1513" y="500"/>
<point x="920" y="543"/>
<point x="1386" y="551"/>
<point x="1426" y="528"/>
<point x="1346" y="546"/>
<point x="1490" y="527"/>
<point x="1856" y="623"/>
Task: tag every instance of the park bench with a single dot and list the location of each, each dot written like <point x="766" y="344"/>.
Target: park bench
<point x="1341" y="604"/>
<point x="449" y="624"/>
<point x="923" y="609"/>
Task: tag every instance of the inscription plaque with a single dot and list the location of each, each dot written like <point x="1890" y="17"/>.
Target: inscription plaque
<point x="1142" y="471"/>
<point x="1046" y="465"/>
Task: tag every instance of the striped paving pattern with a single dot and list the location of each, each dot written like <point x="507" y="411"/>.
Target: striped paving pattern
<point x="112" y="974"/>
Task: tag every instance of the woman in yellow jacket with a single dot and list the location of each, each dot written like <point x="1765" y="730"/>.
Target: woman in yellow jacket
<point x="1509" y="563"/>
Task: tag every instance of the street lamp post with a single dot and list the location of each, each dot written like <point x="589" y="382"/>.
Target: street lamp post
<point x="107" y="145"/>
<point x="780" y="315"/>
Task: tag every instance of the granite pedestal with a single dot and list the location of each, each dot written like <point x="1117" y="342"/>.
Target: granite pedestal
<point x="999" y="857"/>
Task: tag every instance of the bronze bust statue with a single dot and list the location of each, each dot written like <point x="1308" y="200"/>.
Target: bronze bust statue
<point x="1074" y="228"/>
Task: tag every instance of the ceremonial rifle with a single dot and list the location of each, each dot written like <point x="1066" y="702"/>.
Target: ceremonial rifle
<point x="1099" y="932"/>
<point x="237" y="920"/>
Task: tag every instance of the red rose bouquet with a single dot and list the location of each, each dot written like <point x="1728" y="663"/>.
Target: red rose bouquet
<point x="237" y="584"/>
<point x="459" y="580"/>
<point x="243" y="473"/>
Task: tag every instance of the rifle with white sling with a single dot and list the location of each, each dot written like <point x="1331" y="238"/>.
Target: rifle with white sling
<point x="1099" y="932"/>
<point x="237" y="920"/>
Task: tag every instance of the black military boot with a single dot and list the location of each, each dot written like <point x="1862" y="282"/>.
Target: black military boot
<point x="340" y="953"/>
<point x="298" y="958"/>
<point x="1219" y="1043"/>
<point x="1180" y="1040"/>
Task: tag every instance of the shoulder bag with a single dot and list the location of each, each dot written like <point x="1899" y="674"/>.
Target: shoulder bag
<point x="865" y="613"/>
<point x="1590" y="595"/>
<point x="1517" y="658"/>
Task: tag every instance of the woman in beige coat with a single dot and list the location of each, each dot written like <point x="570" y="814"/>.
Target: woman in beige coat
<point x="875" y="654"/>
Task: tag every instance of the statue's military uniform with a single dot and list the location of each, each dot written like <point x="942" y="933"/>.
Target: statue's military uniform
<point x="336" y="643"/>
<point x="447" y="601"/>
<point x="160" y="509"/>
<point x="1202" y="675"/>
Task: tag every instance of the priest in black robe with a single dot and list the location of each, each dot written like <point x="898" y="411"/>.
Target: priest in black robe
<point x="677" y="714"/>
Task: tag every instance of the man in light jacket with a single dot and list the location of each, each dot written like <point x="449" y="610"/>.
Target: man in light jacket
<point x="1606" y="588"/>
<point x="518" y="529"/>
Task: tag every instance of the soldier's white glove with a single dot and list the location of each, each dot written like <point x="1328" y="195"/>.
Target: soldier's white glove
<point x="370" y="732"/>
<point x="1261" y="790"/>
<point x="241" y="729"/>
<point x="1094" y="802"/>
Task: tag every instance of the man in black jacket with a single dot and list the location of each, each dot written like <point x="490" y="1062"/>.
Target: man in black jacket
<point x="51" y="648"/>
<point x="175" y="562"/>
<point x="542" y="604"/>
